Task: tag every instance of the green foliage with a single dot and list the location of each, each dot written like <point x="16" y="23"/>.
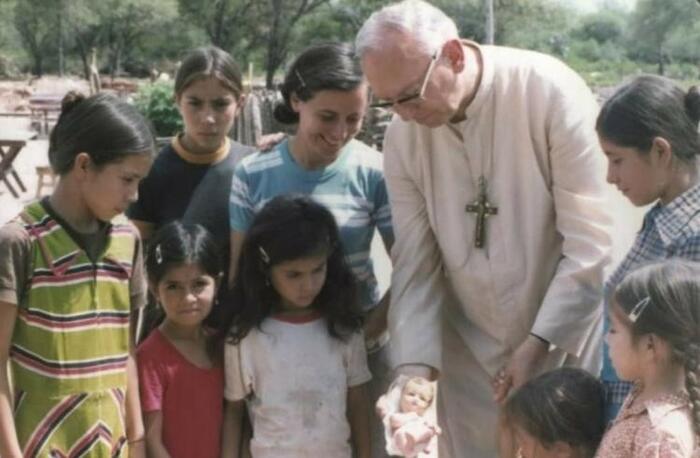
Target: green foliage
<point x="603" y="27"/>
<point x="653" y="23"/>
<point x="155" y="102"/>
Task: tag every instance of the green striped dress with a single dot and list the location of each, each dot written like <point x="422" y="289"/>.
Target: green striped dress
<point x="70" y="343"/>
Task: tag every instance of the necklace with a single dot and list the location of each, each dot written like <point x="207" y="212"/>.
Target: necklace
<point x="481" y="206"/>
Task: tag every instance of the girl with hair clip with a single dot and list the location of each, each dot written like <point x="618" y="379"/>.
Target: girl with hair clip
<point x="558" y="414"/>
<point x="294" y="350"/>
<point x="191" y="176"/>
<point x="181" y="380"/>
<point x="71" y="283"/>
<point x="649" y="132"/>
<point x="325" y="96"/>
<point x="654" y="341"/>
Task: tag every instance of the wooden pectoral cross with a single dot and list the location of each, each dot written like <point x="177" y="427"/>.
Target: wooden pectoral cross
<point x="483" y="210"/>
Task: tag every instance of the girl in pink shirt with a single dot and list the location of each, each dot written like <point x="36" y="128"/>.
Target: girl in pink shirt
<point x="181" y="383"/>
<point x="654" y="341"/>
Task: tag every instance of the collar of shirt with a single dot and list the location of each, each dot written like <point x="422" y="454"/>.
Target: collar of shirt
<point x="656" y="408"/>
<point x="672" y="220"/>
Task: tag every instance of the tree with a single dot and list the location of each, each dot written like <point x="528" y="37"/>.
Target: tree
<point x="279" y="18"/>
<point x="603" y="27"/>
<point x="224" y="21"/>
<point x="653" y="22"/>
<point x="37" y="30"/>
<point x="125" y="22"/>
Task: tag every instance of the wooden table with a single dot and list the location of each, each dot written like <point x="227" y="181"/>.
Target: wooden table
<point x="45" y="109"/>
<point x="11" y="144"/>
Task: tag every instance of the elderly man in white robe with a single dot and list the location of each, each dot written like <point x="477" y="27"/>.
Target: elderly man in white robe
<point x="497" y="191"/>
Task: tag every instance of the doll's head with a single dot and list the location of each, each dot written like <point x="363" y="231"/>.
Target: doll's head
<point x="416" y="396"/>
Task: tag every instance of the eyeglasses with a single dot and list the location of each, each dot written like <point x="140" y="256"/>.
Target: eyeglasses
<point x="418" y="95"/>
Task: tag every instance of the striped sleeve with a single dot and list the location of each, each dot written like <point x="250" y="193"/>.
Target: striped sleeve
<point x="382" y="209"/>
<point x="241" y="209"/>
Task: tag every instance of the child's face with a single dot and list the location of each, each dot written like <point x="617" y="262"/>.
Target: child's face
<point x="416" y="397"/>
<point x="186" y="293"/>
<point x="635" y="175"/>
<point x="208" y="109"/>
<point x="530" y="447"/>
<point x="110" y="189"/>
<point x="299" y="281"/>
<point x="624" y="351"/>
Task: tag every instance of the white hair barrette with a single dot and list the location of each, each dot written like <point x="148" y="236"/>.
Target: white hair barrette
<point x="159" y="255"/>
<point x="264" y="255"/>
<point x="638" y="309"/>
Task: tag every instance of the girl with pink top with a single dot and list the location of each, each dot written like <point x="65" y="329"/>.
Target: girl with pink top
<point x="181" y="382"/>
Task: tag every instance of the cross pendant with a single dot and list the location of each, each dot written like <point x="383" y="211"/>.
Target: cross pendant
<point x="483" y="210"/>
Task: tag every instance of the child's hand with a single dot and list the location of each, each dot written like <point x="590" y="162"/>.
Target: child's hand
<point x="524" y="363"/>
<point x="269" y="141"/>
<point x="137" y="449"/>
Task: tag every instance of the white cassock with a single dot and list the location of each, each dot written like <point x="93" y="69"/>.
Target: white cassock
<point x="530" y="131"/>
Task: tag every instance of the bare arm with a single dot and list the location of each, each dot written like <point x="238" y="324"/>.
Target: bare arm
<point x="134" y="421"/>
<point x="153" y="422"/>
<point x="231" y="429"/>
<point x="236" y="245"/>
<point x="9" y="445"/>
<point x="358" y="417"/>
<point x="145" y="228"/>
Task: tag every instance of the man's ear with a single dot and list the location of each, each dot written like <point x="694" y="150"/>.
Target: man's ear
<point x="454" y="51"/>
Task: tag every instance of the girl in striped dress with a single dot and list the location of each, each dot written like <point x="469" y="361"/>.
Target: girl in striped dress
<point x="71" y="278"/>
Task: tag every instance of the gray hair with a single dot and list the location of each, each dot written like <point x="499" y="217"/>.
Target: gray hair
<point x="428" y="25"/>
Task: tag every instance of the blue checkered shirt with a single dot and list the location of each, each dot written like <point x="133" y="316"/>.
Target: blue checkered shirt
<point x="668" y="231"/>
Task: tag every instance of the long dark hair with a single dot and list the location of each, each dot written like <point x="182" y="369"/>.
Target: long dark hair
<point x="665" y="298"/>
<point x="653" y="106"/>
<point x="287" y="228"/>
<point x="329" y="66"/>
<point x="105" y="127"/>
<point x="563" y="405"/>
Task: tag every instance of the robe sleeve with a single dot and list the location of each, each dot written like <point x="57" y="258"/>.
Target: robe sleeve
<point x="418" y="284"/>
<point x="572" y="305"/>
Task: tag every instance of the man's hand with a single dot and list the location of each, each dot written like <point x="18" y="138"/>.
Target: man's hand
<point x="523" y="365"/>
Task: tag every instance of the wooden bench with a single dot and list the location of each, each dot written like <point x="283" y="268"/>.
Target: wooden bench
<point x="11" y="144"/>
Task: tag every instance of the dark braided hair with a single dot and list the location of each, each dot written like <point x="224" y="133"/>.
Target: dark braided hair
<point x="672" y="290"/>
